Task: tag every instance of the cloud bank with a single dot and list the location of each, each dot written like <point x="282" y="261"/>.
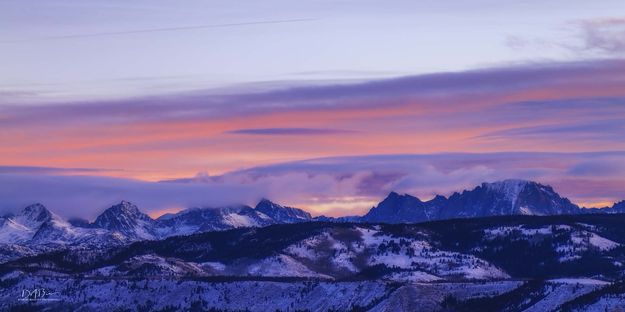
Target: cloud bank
<point x="335" y="186"/>
<point x="547" y="107"/>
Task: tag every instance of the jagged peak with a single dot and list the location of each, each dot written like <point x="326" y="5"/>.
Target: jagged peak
<point x="36" y="212"/>
<point x="126" y="204"/>
<point x="278" y="211"/>
<point x="34" y="207"/>
<point x="124" y="209"/>
<point x="392" y="196"/>
<point x="619" y="205"/>
<point x="438" y="198"/>
<point x="396" y="196"/>
<point x="265" y="201"/>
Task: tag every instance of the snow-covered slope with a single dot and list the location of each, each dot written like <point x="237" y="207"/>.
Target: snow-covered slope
<point x="282" y="214"/>
<point x="176" y="294"/>
<point x="36" y="229"/>
<point x="509" y="197"/>
<point x="21" y="227"/>
<point x="509" y="263"/>
<point x="211" y="219"/>
<point x="569" y="242"/>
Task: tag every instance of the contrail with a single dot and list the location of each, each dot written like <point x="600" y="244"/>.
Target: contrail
<point x="140" y="31"/>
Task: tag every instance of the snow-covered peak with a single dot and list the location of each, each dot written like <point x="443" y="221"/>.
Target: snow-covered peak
<point x="126" y="218"/>
<point x="123" y="208"/>
<point x="36" y="213"/>
<point x="282" y="214"/>
<point x="32" y="216"/>
<point x="21" y="227"/>
<point x="126" y="207"/>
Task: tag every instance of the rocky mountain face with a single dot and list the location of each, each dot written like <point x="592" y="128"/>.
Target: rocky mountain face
<point x="126" y="219"/>
<point x="397" y="208"/>
<point x="509" y="197"/>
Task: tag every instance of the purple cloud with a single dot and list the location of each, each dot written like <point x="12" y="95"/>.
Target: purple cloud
<point x="289" y="131"/>
<point x="604" y="35"/>
<point x="423" y="175"/>
<point x="49" y="170"/>
<point x="609" y="130"/>
<point x="209" y="105"/>
<point x="360" y="179"/>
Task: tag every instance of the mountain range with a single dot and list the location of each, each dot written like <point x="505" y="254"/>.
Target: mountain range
<point x="508" y="197"/>
<point x="511" y="245"/>
<point x="37" y="229"/>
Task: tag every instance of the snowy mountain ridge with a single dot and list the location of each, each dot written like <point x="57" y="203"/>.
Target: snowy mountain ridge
<point x="36" y="229"/>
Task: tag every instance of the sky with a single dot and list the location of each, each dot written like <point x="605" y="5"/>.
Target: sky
<point x="323" y="105"/>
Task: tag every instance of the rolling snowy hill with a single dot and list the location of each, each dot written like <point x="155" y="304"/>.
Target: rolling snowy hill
<point x="533" y="263"/>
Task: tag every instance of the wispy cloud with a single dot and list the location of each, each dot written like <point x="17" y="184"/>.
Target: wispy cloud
<point x="164" y="29"/>
<point x="51" y="170"/>
<point x="588" y="37"/>
<point x="609" y="130"/>
<point x="604" y="35"/>
<point x="289" y="131"/>
<point x="471" y="88"/>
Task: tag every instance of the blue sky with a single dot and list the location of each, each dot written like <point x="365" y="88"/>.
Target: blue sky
<point x="306" y="41"/>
